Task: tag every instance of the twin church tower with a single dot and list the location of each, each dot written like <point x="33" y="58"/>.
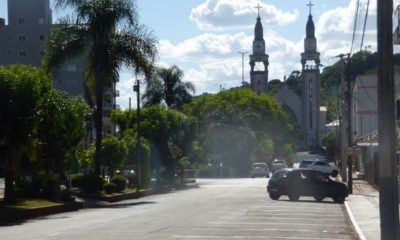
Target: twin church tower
<point x="305" y="109"/>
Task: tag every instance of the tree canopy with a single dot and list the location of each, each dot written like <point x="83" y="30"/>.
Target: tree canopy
<point x="107" y="34"/>
<point x="237" y="127"/>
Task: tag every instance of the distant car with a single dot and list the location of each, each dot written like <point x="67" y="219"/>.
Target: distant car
<point x="259" y="169"/>
<point x="305" y="163"/>
<point x="296" y="182"/>
<point x="320" y="165"/>
<point x="278" y="163"/>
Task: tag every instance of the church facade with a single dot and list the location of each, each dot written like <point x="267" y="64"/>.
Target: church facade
<point x="305" y="110"/>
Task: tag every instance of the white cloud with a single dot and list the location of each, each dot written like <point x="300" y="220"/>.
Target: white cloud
<point x="205" y="46"/>
<point x="334" y="30"/>
<point x="212" y="60"/>
<point x="216" y="15"/>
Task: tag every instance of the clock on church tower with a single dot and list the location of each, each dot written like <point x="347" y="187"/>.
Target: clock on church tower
<point x="258" y="47"/>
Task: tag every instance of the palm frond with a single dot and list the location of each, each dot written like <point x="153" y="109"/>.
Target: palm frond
<point x="65" y="41"/>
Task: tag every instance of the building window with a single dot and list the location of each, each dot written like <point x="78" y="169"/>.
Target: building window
<point x="41" y="21"/>
<point x="398" y="110"/>
<point x="22" y="53"/>
<point x="21" y="20"/>
<point x="22" y="38"/>
<point x="41" y="37"/>
<point x="72" y="83"/>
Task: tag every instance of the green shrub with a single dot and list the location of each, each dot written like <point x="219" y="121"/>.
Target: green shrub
<point x="46" y="185"/>
<point x="91" y="183"/>
<point x="65" y="196"/>
<point x="76" y="180"/>
<point x="120" y="182"/>
<point x="23" y="186"/>
<point x="109" y="188"/>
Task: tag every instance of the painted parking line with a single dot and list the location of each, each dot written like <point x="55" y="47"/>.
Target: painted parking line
<point x="253" y="237"/>
<point x="263" y="223"/>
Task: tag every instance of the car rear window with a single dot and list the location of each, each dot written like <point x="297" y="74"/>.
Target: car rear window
<point x="305" y="163"/>
<point x="259" y="165"/>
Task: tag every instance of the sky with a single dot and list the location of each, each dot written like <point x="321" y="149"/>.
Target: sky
<point x="204" y="37"/>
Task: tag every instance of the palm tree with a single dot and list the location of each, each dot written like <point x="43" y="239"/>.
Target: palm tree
<point x="107" y="34"/>
<point x="167" y="85"/>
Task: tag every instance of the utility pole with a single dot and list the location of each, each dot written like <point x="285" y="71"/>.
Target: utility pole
<point x="242" y="53"/>
<point x="349" y="150"/>
<point x="388" y="190"/>
<point x="347" y="128"/>
<point x="136" y="88"/>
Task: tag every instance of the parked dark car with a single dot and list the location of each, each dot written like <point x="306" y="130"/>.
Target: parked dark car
<point x="295" y="182"/>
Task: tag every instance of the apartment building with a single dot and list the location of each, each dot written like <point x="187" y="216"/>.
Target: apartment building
<point x="22" y="41"/>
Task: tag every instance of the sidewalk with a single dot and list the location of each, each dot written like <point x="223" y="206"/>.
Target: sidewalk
<point x="363" y="209"/>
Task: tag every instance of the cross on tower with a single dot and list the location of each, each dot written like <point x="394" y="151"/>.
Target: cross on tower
<point x="258" y="7"/>
<point x="310" y="5"/>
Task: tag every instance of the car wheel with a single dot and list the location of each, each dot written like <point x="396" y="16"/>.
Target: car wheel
<point x="339" y="199"/>
<point x="274" y="196"/>
<point x="334" y="173"/>
<point x="294" y="196"/>
<point x="319" y="198"/>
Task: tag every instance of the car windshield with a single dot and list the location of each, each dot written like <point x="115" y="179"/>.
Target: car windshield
<point x="259" y="165"/>
<point x="305" y="163"/>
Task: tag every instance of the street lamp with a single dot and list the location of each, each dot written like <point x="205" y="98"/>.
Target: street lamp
<point x="242" y="53"/>
<point x="136" y="88"/>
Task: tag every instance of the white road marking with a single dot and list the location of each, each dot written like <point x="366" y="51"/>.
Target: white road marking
<point x="262" y="223"/>
<point x="282" y="218"/>
<point x="253" y="237"/>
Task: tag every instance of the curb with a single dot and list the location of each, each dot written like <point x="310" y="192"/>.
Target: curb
<point x="356" y="227"/>
<point x="125" y="196"/>
<point x="40" y="212"/>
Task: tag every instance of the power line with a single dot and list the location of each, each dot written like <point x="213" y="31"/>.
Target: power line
<point x="355" y="25"/>
<point x="365" y="23"/>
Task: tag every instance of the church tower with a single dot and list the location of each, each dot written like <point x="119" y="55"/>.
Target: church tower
<point x="259" y="60"/>
<point x="311" y="86"/>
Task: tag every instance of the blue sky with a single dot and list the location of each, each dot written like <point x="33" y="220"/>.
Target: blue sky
<point x="203" y="37"/>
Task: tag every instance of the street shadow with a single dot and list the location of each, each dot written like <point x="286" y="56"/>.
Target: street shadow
<point x="117" y="205"/>
<point x="308" y="201"/>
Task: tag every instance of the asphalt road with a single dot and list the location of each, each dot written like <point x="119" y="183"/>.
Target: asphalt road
<point x="218" y="209"/>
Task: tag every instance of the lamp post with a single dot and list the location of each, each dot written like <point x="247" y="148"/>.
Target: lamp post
<point x="242" y="53"/>
<point x="136" y="88"/>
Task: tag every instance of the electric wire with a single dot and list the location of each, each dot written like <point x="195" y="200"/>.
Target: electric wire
<point x="365" y="23"/>
<point x="355" y="25"/>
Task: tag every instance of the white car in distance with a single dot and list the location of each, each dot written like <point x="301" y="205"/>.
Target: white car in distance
<point x="321" y="166"/>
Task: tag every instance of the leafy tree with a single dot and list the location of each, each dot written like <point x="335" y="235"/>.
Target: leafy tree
<point x="113" y="153"/>
<point x="237" y="126"/>
<point x="107" y="33"/>
<point x="130" y="140"/>
<point x="21" y="89"/>
<point x="163" y="128"/>
<point x="59" y="129"/>
<point x="274" y="86"/>
<point x="167" y="85"/>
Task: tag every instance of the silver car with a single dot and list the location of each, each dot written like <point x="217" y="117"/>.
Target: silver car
<point x="259" y="169"/>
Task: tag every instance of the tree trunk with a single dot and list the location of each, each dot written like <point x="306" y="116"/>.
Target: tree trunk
<point x="9" y="195"/>
<point x="98" y="123"/>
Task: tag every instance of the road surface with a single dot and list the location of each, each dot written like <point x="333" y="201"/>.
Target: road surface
<point x="218" y="209"/>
